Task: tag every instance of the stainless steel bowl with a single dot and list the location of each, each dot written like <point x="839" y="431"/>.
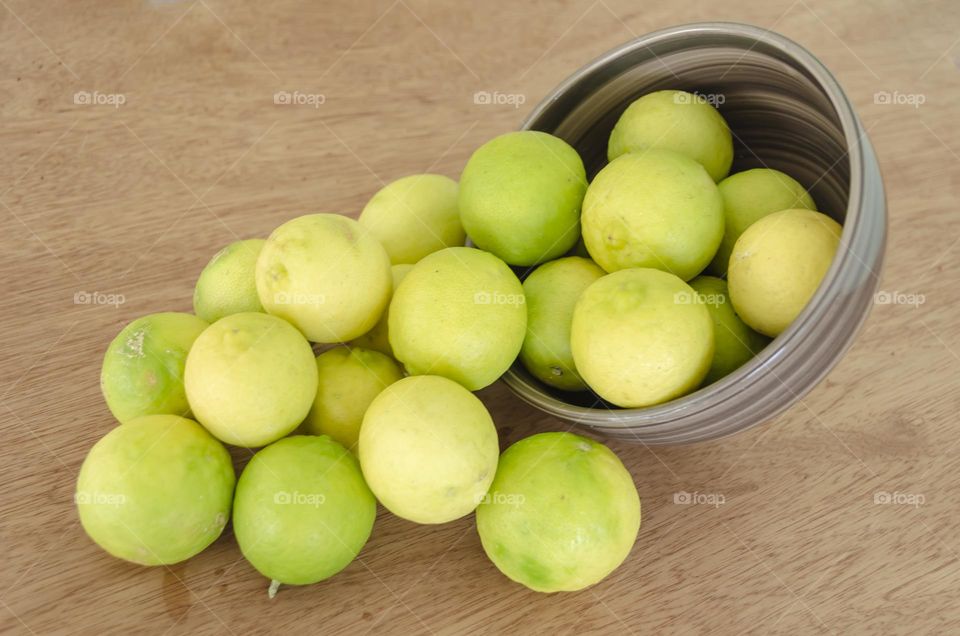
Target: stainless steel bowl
<point x="787" y="112"/>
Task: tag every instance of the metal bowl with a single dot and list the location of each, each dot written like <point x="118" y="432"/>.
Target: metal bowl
<point x="787" y="112"/>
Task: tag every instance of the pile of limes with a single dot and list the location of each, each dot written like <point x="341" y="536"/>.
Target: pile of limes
<point x="408" y="323"/>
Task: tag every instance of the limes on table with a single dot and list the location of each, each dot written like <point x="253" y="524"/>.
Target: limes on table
<point x="749" y="196"/>
<point x="378" y="338"/>
<point x="325" y="274"/>
<point x="734" y="341"/>
<point x="156" y="490"/>
<point x="678" y="121"/>
<point x="142" y="372"/>
<point x="415" y="216"/>
<point x="347" y="382"/>
<point x="459" y="313"/>
<point x="561" y="514"/>
<point x="637" y="339"/>
<point x="552" y="291"/>
<point x="656" y="209"/>
<point x="250" y="378"/>
<point x="428" y="449"/>
<point x="228" y="285"/>
<point x="520" y="197"/>
<point x="777" y="265"/>
<point x="302" y="511"/>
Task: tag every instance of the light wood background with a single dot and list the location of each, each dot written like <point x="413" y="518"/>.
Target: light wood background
<point x="133" y="200"/>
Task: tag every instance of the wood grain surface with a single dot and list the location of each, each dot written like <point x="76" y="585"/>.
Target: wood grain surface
<point x="105" y="202"/>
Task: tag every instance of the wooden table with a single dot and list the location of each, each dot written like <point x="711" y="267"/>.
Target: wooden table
<point x="111" y="209"/>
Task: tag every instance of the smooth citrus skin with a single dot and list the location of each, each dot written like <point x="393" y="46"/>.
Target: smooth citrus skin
<point x="428" y="449"/>
<point x="638" y="341"/>
<point x="735" y="342"/>
<point x="678" y="121"/>
<point x="142" y="372"/>
<point x="748" y="197"/>
<point x="378" y="338"/>
<point x="654" y="209"/>
<point x="562" y="513"/>
<point x="415" y="216"/>
<point x="156" y="490"/>
<point x="302" y="511"/>
<point x="250" y="379"/>
<point x="520" y="197"/>
<point x="777" y="265"/>
<point x="552" y="291"/>
<point x="326" y="275"/>
<point x="348" y="380"/>
<point x="227" y="285"/>
<point x="459" y="313"/>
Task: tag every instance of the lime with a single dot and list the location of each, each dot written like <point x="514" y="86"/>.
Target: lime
<point x="302" y="511"/>
<point x="678" y="121"/>
<point x="156" y="490"/>
<point x="378" y="338"/>
<point x="415" y="216"/>
<point x="657" y="209"/>
<point x="637" y="339"/>
<point x="142" y="372"/>
<point x="459" y="313"/>
<point x="520" y="197"/>
<point x="227" y="285"/>
<point x="561" y="514"/>
<point x="777" y="265"/>
<point x="251" y="378"/>
<point x="428" y="449"/>
<point x="326" y="275"/>
<point x="735" y="342"/>
<point x="348" y="380"/>
<point x="749" y="196"/>
<point x="552" y="291"/>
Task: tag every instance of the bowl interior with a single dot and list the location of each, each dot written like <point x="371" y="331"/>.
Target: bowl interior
<point x="780" y="115"/>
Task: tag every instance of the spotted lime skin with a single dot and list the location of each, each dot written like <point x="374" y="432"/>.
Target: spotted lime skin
<point x="156" y="490"/>
<point x="143" y="367"/>
<point x="562" y="513"/>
